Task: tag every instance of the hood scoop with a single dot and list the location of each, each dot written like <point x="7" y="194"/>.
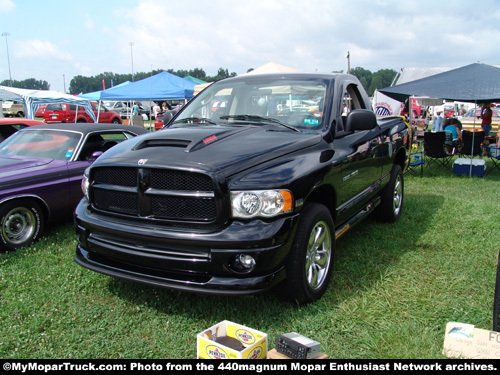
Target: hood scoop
<point x="148" y="143"/>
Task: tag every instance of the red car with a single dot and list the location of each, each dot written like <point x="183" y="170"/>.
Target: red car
<point x="9" y="126"/>
<point x="41" y="110"/>
<point x="64" y="112"/>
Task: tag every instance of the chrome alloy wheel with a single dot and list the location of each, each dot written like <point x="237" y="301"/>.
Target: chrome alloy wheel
<point x="398" y="195"/>
<point x="318" y="255"/>
<point x="19" y="225"/>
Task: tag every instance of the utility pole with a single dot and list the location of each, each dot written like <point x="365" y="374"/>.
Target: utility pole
<point x="132" y="58"/>
<point x="6" y="34"/>
<point x="348" y="57"/>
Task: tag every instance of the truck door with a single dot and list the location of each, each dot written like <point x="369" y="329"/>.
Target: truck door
<point x="361" y="167"/>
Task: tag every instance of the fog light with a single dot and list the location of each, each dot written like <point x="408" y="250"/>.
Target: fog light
<point x="244" y="263"/>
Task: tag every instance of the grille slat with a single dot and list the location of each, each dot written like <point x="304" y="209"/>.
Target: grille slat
<point x="169" y="194"/>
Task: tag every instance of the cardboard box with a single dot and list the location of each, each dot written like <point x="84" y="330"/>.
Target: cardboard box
<point x="465" y="341"/>
<point x="210" y="346"/>
<point x="462" y="166"/>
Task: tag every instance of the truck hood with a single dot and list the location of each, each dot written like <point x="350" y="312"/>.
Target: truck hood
<point x="226" y="149"/>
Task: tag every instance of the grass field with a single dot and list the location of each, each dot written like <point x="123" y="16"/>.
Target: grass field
<point x="394" y="288"/>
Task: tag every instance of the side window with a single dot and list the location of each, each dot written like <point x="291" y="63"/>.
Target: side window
<point x="351" y="100"/>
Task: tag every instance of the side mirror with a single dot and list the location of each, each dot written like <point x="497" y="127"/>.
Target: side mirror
<point x="361" y="119"/>
<point x="95" y="155"/>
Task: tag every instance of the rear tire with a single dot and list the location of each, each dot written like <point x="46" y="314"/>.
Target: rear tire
<point x="391" y="202"/>
<point x="310" y="261"/>
<point x="21" y="224"/>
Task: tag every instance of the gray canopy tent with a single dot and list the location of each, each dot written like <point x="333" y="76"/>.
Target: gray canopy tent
<point x="474" y="83"/>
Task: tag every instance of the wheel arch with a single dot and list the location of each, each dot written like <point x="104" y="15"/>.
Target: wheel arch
<point x="43" y="205"/>
<point x="326" y="195"/>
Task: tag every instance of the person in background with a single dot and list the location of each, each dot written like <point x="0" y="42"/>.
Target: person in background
<point x="486" y="114"/>
<point x="454" y="128"/>
<point x="156" y="110"/>
<point x="437" y="121"/>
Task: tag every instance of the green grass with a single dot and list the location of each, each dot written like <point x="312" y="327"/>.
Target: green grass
<point x="394" y="288"/>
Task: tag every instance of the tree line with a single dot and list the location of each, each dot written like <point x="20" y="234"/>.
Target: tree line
<point x="81" y="84"/>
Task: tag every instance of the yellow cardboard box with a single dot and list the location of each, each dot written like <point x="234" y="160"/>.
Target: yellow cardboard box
<point x="210" y="343"/>
<point x="465" y="341"/>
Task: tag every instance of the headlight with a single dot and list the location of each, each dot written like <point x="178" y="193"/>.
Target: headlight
<point x="261" y="203"/>
<point x="85" y="183"/>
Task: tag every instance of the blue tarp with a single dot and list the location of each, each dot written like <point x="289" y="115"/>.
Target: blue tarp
<point x="160" y="86"/>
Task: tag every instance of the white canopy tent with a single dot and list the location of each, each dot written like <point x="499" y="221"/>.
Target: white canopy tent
<point x="31" y="99"/>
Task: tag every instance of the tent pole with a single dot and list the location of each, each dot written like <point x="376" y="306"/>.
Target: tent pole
<point x="98" y="110"/>
<point x="473" y="135"/>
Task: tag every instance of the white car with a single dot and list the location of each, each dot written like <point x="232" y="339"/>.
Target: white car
<point x="12" y="109"/>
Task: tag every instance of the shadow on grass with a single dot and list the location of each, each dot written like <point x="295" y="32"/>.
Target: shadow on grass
<point x="362" y="254"/>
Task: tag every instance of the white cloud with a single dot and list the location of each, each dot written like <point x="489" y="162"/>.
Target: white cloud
<point x="7" y="6"/>
<point x="41" y="50"/>
<point x="89" y="23"/>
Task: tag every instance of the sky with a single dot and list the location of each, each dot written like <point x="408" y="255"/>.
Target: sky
<point x="55" y="40"/>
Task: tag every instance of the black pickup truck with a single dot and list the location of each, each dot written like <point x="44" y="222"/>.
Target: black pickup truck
<point x="246" y="189"/>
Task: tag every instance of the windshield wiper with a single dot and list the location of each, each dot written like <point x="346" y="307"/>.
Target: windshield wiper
<point x="257" y="119"/>
<point x="189" y="120"/>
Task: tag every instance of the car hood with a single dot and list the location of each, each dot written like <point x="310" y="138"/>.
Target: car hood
<point x="221" y="148"/>
<point x="11" y="166"/>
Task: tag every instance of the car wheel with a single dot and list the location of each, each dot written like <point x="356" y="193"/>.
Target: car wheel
<point x="21" y="224"/>
<point x="116" y="121"/>
<point x="391" y="202"/>
<point x="310" y="260"/>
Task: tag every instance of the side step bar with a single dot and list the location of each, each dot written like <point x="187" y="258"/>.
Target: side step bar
<point x="357" y="218"/>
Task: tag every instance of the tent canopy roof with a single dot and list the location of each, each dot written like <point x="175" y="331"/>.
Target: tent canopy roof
<point x="471" y="83"/>
<point x="33" y="98"/>
<point x="160" y="86"/>
<point x="272" y="67"/>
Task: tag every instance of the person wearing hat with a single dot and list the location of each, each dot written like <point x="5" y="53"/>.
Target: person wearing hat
<point x="437" y="121"/>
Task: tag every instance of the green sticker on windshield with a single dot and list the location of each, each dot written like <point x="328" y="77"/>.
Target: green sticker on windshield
<point x="311" y="121"/>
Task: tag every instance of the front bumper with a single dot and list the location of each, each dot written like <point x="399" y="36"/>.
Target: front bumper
<point x="193" y="260"/>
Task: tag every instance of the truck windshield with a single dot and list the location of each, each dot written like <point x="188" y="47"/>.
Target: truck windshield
<point x="284" y="103"/>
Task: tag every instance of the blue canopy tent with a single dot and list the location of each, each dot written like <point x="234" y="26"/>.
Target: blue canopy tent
<point x="97" y="95"/>
<point x="31" y="99"/>
<point x="160" y="86"/>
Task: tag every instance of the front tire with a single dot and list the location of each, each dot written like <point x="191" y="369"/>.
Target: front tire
<point x="310" y="261"/>
<point x="21" y="224"/>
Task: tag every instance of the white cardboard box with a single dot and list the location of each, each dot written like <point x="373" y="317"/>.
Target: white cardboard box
<point x="465" y="341"/>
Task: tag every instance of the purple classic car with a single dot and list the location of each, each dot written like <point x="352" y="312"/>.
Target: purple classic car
<point x="41" y="169"/>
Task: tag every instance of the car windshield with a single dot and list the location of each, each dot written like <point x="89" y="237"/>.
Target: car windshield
<point x="59" y="145"/>
<point x="296" y="104"/>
